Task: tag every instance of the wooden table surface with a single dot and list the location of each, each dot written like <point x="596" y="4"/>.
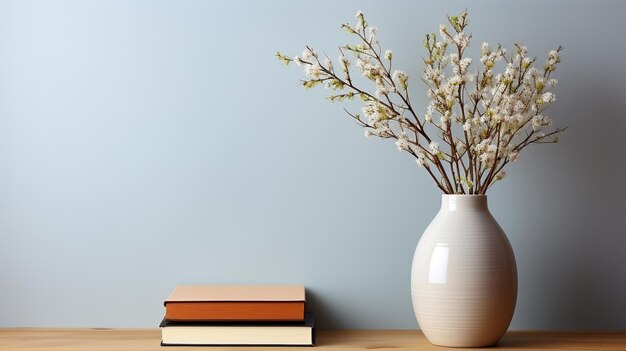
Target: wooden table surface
<point x="22" y="339"/>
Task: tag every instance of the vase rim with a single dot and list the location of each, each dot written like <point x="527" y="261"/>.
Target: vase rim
<point x="452" y="202"/>
<point x="464" y="195"/>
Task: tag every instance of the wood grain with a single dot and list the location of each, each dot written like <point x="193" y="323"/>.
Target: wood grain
<point x="34" y="339"/>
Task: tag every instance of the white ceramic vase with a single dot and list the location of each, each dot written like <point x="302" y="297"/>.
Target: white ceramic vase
<point x="464" y="278"/>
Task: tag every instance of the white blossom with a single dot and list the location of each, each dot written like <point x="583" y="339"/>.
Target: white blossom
<point x="454" y="58"/>
<point x="537" y="122"/>
<point x="314" y="71"/>
<point x="484" y="48"/>
<point x="455" y="80"/>
<point x="344" y="62"/>
<point x="428" y="117"/>
<point x="461" y="39"/>
<point x="485" y="157"/>
<point x="553" y="57"/>
<point x="523" y="51"/>
<point x="442" y="31"/>
<point x="444" y="124"/>
<point x="548" y="97"/>
<point x="465" y="62"/>
<point x="401" y="77"/>
<point x="360" y="25"/>
<point x="434" y="147"/>
<point x="483" y="144"/>
<point x="372" y="31"/>
<point x="381" y="90"/>
<point x="402" y="143"/>
<point x="513" y="156"/>
<point x="307" y="54"/>
<point x="328" y="63"/>
<point x="510" y="72"/>
<point x="422" y="160"/>
<point x="360" y="64"/>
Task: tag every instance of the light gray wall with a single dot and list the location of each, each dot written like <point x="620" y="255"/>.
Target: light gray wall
<point x="146" y="144"/>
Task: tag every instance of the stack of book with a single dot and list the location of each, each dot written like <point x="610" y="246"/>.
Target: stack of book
<point x="237" y="315"/>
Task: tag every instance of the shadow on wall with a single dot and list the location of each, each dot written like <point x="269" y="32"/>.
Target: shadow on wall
<point x="324" y="314"/>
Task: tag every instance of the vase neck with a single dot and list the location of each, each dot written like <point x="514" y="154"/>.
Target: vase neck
<point x="463" y="202"/>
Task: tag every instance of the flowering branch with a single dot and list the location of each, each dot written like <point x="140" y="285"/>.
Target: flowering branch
<point x="485" y="120"/>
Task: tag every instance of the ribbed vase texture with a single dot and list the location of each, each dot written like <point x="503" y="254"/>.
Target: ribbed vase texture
<point x="464" y="278"/>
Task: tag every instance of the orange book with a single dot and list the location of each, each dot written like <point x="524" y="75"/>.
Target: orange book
<point x="236" y="303"/>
